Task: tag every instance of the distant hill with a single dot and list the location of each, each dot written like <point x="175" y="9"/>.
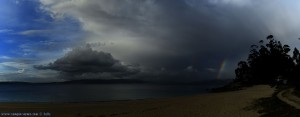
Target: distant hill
<point x="126" y="81"/>
<point x="99" y="81"/>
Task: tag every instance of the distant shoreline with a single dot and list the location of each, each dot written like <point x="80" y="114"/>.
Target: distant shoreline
<point x="123" y="81"/>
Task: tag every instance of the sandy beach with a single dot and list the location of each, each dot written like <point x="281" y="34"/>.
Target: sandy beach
<point x="225" y="104"/>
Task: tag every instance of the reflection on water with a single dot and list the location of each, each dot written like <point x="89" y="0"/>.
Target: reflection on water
<point x="93" y="92"/>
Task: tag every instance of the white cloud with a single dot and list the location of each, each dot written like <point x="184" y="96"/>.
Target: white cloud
<point x="34" y="32"/>
<point x="16" y="65"/>
<point x="17" y="2"/>
<point x="5" y="30"/>
<point x="110" y="21"/>
<point x="7" y="68"/>
<point x="21" y="71"/>
<point x="50" y="2"/>
<point x="5" y="57"/>
<point x="211" y="69"/>
<point x="240" y="3"/>
<point x="191" y="69"/>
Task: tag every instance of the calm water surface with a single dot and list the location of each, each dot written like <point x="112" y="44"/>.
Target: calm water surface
<point x="94" y="92"/>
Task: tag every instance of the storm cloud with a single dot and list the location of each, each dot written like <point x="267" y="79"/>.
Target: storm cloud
<point x="176" y="34"/>
<point x="85" y="63"/>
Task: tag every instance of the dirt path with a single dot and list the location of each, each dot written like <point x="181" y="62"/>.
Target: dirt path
<point x="287" y="97"/>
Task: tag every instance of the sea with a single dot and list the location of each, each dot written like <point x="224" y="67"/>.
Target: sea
<point x="95" y="92"/>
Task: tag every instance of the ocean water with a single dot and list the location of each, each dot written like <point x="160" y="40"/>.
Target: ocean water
<point x="94" y="92"/>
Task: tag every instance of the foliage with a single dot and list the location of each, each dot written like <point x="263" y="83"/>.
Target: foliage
<point x="269" y="62"/>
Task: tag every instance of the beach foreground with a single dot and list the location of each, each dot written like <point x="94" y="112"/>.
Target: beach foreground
<point x="225" y="104"/>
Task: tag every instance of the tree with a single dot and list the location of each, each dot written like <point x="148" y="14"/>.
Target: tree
<point x="242" y="72"/>
<point x="266" y="62"/>
<point x="296" y="70"/>
<point x="296" y="56"/>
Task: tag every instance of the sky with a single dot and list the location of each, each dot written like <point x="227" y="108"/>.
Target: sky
<point x="153" y="40"/>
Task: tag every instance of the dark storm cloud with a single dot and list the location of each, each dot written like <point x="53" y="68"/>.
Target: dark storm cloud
<point x="201" y="35"/>
<point x="83" y="62"/>
<point x="176" y="34"/>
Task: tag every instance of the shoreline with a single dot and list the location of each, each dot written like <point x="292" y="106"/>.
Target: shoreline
<point x="229" y="104"/>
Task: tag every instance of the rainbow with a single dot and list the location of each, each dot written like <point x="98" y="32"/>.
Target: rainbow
<point x="221" y="69"/>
